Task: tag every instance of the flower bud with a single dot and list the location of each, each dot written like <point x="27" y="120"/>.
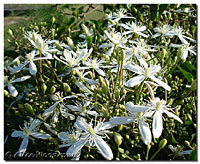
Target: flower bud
<point x="193" y="85"/>
<point x="52" y="90"/>
<point x="17" y="113"/>
<point x="134" y="10"/>
<point x="10" y="32"/>
<point x="127" y="137"/>
<point x="117" y="94"/>
<point x="117" y="138"/>
<point x="148" y="147"/>
<point x="58" y="46"/>
<point x="85" y="29"/>
<point x="162" y="143"/>
<point x="66" y="87"/>
<point x="123" y="55"/>
<point x="180" y="51"/>
<point x="20" y="106"/>
<point x="29" y="108"/>
<point x="120" y="127"/>
<point x="6" y="93"/>
<point x="187" y="143"/>
<point x="53" y="20"/>
<point x="163" y="53"/>
<point x="121" y="150"/>
<point x="70" y="42"/>
<point x="43" y="88"/>
<point x="104" y="111"/>
<point x="189" y="117"/>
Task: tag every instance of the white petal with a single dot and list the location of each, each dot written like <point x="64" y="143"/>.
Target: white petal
<point x="164" y="85"/>
<point x="182" y="39"/>
<point x="125" y="26"/>
<point x="32" y="68"/>
<point x="92" y="113"/>
<point x="74" y="108"/>
<point x="64" y="136"/>
<point x="76" y="147"/>
<point x="12" y="90"/>
<point x="134" y="68"/>
<point x="140" y="33"/>
<point x="141" y="60"/>
<point x="23" y="146"/>
<point x="145" y="132"/>
<point x="103" y="147"/>
<point x="83" y="87"/>
<point x="48" y="111"/>
<point x="157" y="124"/>
<point x="40" y="135"/>
<point x="100" y="71"/>
<point x="143" y="28"/>
<point x="135" y="108"/>
<point x="17" y="134"/>
<point x="135" y="81"/>
<point x="170" y="114"/>
<point x="121" y="120"/>
<point x="105" y="125"/>
<point x="90" y="81"/>
<point x="110" y="51"/>
<point x="184" y="54"/>
<point x="81" y="124"/>
<point x="23" y="78"/>
<point x="18" y="68"/>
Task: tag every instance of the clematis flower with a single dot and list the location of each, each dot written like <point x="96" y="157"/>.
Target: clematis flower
<point x="134" y="28"/>
<point x="177" y="151"/>
<point x="68" y="139"/>
<point x="30" y="58"/>
<point x="136" y="114"/>
<point x="143" y="73"/>
<point x="117" y="16"/>
<point x="42" y="45"/>
<point x="178" y="31"/>
<point x="30" y="130"/>
<point x="162" y="30"/>
<point x="9" y="84"/>
<point x="158" y="107"/>
<point x="186" y="49"/>
<point x="92" y="136"/>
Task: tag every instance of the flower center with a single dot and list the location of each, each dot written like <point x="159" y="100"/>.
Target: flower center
<point x="91" y="130"/>
<point x="73" y="137"/>
<point x="83" y="109"/>
<point x="26" y="131"/>
<point x="158" y="104"/>
<point x="147" y="71"/>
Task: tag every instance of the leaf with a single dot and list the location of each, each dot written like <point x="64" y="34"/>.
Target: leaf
<point x="186" y="74"/>
<point x="188" y="122"/>
<point x="162" y="8"/>
<point x="11" y="53"/>
<point x="89" y="40"/>
<point x="189" y="67"/>
<point x="129" y="6"/>
<point x="193" y="155"/>
<point x="173" y="139"/>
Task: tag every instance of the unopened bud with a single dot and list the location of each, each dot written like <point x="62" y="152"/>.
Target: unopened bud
<point x="120" y="127"/>
<point x="118" y="138"/>
<point x="85" y="29"/>
<point x="6" y="93"/>
<point x="180" y="51"/>
<point x="163" y="53"/>
<point x="123" y="55"/>
<point x="29" y="108"/>
<point x="53" y="20"/>
<point x="66" y="87"/>
<point x="117" y="94"/>
<point x="44" y="87"/>
<point x="52" y="90"/>
<point x="162" y="143"/>
<point x="104" y="111"/>
<point x="148" y="147"/>
<point x="10" y="32"/>
<point x="189" y="117"/>
<point x="187" y="143"/>
<point x="70" y="42"/>
<point x="121" y="150"/>
<point x="17" y="113"/>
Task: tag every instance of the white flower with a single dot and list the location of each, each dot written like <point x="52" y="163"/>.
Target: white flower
<point x="186" y="49"/>
<point x="82" y="108"/>
<point x="94" y="64"/>
<point x="177" y="151"/>
<point x="9" y="84"/>
<point x="30" y="58"/>
<point x="29" y="130"/>
<point x="136" y="113"/>
<point x="40" y="44"/>
<point x="69" y="138"/>
<point x="117" y="16"/>
<point x="143" y="73"/>
<point x="134" y="28"/>
<point x="178" y="31"/>
<point x="92" y="136"/>
<point x="162" y="30"/>
<point x="158" y="107"/>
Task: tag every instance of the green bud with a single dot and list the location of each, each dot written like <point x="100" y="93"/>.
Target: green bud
<point x="187" y="143"/>
<point x="170" y="101"/>
<point x="53" y="20"/>
<point x="6" y="93"/>
<point x="162" y="143"/>
<point x="163" y="53"/>
<point x="193" y="85"/>
<point x="120" y="127"/>
<point x="104" y="111"/>
<point x="52" y="90"/>
<point x="175" y="59"/>
<point x="85" y="29"/>
<point x="43" y="88"/>
<point x="101" y="80"/>
<point x="36" y="28"/>
<point x="123" y="55"/>
<point x="36" y="89"/>
<point x="117" y="138"/>
<point x="195" y="126"/>
<point x="117" y="94"/>
<point x="29" y="108"/>
<point x="66" y="87"/>
<point x="70" y="42"/>
<point x="10" y="32"/>
<point x="120" y="150"/>
<point x="148" y="147"/>
<point x="180" y="51"/>
<point x="20" y="106"/>
<point x="134" y="10"/>
<point x="189" y="117"/>
<point x="17" y="113"/>
<point x="127" y="137"/>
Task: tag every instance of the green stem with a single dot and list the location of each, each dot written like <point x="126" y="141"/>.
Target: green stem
<point x="147" y="154"/>
<point x="140" y="89"/>
<point x="157" y="151"/>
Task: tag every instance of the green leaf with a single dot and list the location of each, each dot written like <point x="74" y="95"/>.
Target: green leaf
<point x="193" y="155"/>
<point x="189" y="67"/>
<point x="162" y="8"/>
<point x="173" y="139"/>
<point x="188" y="122"/>
<point x="186" y="74"/>
<point x="88" y="39"/>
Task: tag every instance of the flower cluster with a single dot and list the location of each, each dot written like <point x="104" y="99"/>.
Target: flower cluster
<point x="98" y="88"/>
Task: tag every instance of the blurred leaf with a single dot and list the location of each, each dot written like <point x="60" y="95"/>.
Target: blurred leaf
<point x="162" y="8"/>
<point x="189" y="67"/>
<point x="11" y="53"/>
<point x="193" y="155"/>
<point x="173" y="139"/>
<point x="89" y="40"/>
<point x="129" y="6"/>
<point x="188" y="122"/>
<point x="186" y="74"/>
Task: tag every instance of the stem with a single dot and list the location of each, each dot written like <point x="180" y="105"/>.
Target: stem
<point x="157" y="151"/>
<point x="40" y="66"/>
<point x="140" y="89"/>
<point x="147" y="154"/>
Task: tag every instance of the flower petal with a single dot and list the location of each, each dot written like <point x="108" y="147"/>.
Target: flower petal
<point x="32" y="68"/>
<point x="76" y="147"/>
<point x="145" y="132"/>
<point x="164" y="85"/>
<point x="121" y="120"/>
<point x="48" y="111"/>
<point x="170" y="114"/>
<point x="157" y="124"/>
<point x="12" y="90"/>
<point x="23" y="147"/>
<point x="135" y="108"/>
<point x="184" y="54"/>
<point x="135" y="81"/>
<point x="103" y="147"/>
<point x="40" y="135"/>
<point x="23" y="78"/>
<point x="17" y="133"/>
<point x="100" y="71"/>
